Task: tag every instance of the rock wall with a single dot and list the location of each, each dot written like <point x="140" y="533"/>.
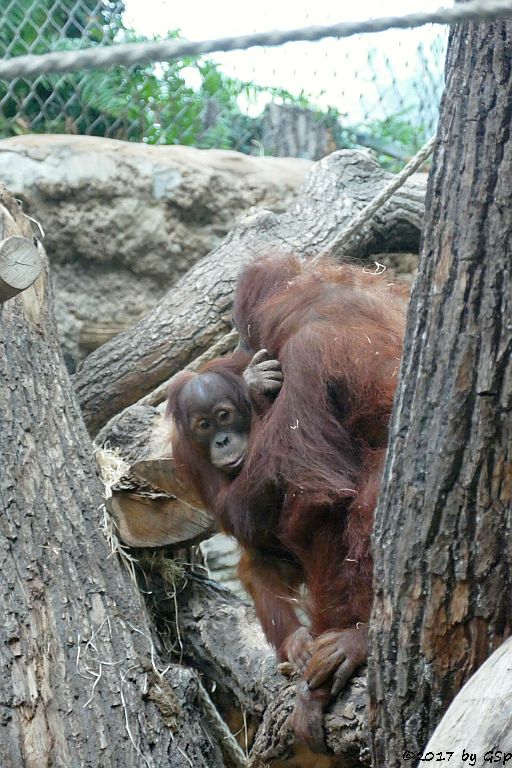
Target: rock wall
<point x="123" y="221"/>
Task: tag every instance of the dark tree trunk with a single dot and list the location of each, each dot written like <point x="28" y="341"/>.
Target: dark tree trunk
<point x="443" y="552"/>
<point x="80" y="686"/>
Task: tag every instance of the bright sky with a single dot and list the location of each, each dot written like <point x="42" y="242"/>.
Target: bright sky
<point x="335" y="72"/>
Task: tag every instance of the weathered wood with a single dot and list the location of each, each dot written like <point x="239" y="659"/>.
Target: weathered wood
<point x="132" y="433"/>
<point x="483" y="702"/>
<point x="80" y="684"/>
<point x="20" y="266"/>
<point x="151" y="505"/>
<point x="196" y="311"/>
<point x="161" y="472"/>
<point x="443" y="556"/>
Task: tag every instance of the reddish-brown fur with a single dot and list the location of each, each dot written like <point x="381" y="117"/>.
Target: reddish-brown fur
<point x="337" y="331"/>
<point x="302" y="506"/>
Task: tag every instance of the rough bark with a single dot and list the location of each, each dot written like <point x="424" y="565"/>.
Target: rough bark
<point x="197" y="310"/>
<point x="221" y="637"/>
<point x="443" y="556"/>
<point x="80" y="686"/>
<point x="485" y="699"/>
<point x="131" y="432"/>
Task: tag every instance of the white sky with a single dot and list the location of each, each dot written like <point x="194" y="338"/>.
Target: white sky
<point x="334" y="72"/>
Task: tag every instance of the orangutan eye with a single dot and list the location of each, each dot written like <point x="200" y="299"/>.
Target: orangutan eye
<point x="223" y="417"/>
<point x="203" y="424"/>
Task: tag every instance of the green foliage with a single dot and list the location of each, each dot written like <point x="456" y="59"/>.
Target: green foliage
<point x="31" y="26"/>
<point x="395" y="138"/>
<point x="151" y="103"/>
<point x="398" y="130"/>
<point x="154" y="103"/>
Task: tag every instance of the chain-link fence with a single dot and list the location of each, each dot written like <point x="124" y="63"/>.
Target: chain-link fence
<point x="302" y="99"/>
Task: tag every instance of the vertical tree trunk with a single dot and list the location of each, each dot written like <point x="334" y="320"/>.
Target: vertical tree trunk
<point x="80" y="686"/>
<point x="443" y="552"/>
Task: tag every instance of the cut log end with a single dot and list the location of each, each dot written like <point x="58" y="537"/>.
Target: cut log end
<point x="20" y="266"/>
<point x="152" y="508"/>
<point x="158" y="520"/>
<point x="161" y="473"/>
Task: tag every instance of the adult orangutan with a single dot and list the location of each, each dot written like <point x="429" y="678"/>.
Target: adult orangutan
<point x="294" y="474"/>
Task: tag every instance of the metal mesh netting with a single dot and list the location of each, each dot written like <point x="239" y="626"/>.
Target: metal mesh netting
<point x="303" y="99"/>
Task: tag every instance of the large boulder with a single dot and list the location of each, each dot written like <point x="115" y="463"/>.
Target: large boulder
<point x="123" y="221"/>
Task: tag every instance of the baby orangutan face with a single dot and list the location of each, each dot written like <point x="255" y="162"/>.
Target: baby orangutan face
<point x="215" y="423"/>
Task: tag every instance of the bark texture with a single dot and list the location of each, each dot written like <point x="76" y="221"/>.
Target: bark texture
<point x="132" y="433"/>
<point x="197" y="310"/>
<point x="80" y="686"/>
<point x="221" y="637"/>
<point x="443" y="553"/>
